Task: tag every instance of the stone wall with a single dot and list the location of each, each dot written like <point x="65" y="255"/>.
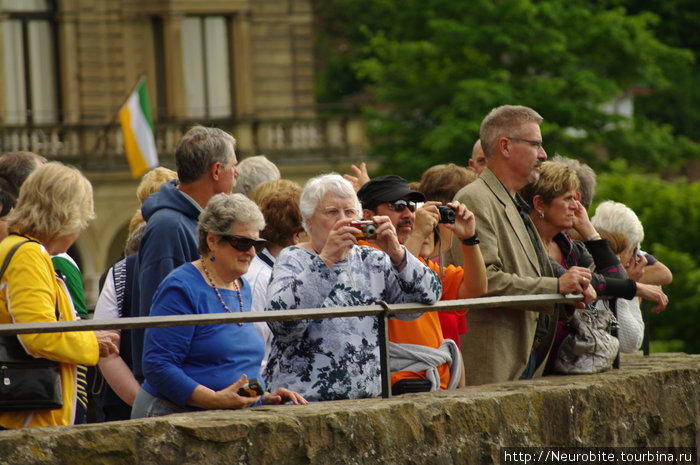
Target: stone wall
<point x="651" y="401"/>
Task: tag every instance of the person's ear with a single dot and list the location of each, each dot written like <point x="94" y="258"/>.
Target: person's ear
<point x="212" y="239"/>
<point x="503" y="145"/>
<point x="367" y="214"/>
<point x="215" y="170"/>
<point x="538" y="202"/>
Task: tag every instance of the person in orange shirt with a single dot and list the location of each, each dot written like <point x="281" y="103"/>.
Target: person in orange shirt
<point x="421" y="358"/>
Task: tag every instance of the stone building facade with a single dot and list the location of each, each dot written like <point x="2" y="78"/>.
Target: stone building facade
<point x="246" y="66"/>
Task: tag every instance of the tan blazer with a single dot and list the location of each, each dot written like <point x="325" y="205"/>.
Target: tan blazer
<point x="499" y="340"/>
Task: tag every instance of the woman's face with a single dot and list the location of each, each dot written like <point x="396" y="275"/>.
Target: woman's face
<point x="626" y="255"/>
<point x="330" y="209"/>
<point x="560" y="213"/>
<point x="235" y="261"/>
<point x="428" y="249"/>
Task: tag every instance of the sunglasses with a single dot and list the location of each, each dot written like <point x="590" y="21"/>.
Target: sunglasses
<point x="243" y="244"/>
<point x="401" y="204"/>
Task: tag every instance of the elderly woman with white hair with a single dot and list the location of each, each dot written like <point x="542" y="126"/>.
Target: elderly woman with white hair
<point x="615" y="217"/>
<point x="338" y="358"/>
<point x="203" y="367"/>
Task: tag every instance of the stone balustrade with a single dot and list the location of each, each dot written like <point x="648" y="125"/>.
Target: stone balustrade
<point x="649" y="402"/>
<point x="101" y="147"/>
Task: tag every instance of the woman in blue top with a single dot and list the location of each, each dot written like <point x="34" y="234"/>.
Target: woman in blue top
<point x="203" y="367"/>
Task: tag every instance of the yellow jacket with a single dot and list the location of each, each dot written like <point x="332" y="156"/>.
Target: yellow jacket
<point x="29" y="291"/>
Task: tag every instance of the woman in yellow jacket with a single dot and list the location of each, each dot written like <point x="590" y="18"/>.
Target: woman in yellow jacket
<point x="54" y="206"/>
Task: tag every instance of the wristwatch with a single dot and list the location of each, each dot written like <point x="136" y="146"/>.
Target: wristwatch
<point x="471" y="240"/>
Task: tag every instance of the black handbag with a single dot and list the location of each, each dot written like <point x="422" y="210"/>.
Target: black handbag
<point x="27" y="382"/>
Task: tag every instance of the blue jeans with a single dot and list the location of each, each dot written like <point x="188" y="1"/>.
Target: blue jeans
<point x="148" y="405"/>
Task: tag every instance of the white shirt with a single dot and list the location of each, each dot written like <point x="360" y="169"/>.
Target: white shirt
<point x="258" y="276"/>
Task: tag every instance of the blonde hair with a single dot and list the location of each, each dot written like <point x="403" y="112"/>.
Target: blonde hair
<point x="136" y="220"/>
<point x="618" y="241"/>
<point x="151" y="181"/>
<point x="267" y="187"/>
<point x="55" y="200"/>
<point x="555" y="179"/>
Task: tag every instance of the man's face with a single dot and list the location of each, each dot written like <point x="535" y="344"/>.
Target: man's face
<point x="527" y="153"/>
<point x="478" y="160"/>
<point x="402" y="215"/>
<point x="228" y="175"/>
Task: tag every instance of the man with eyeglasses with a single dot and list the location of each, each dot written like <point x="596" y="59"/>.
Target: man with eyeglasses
<point x="206" y="165"/>
<point x="504" y="343"/>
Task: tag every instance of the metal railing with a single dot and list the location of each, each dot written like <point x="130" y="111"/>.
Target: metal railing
<point x="382" y="310"/>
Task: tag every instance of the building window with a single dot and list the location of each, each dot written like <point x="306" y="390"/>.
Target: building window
<point x="207" y="68"/>
<point x="29" y="51"/>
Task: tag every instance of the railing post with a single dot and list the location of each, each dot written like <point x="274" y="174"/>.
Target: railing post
<point x="616" y="362"/>
<point x="384" y="362"/>
<point x="647" y="333"/>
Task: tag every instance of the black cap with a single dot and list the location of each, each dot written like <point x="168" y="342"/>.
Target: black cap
<point x="386" y="189"/>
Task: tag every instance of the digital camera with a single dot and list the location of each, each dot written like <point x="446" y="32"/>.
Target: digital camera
<point x="447" y="214"/>
<point x="252" y="388"/>
<point x="368" y="229"/>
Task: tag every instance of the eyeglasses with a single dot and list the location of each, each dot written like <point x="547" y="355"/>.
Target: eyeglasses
<point x="333" y="212"/>
<point x="243" y="244"/>
<point x="401" y="204"/>
<point x="536" y="144"/>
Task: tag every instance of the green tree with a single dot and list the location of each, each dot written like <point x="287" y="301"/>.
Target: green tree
<point x="434" y="68"/>
<point x="678" y="104"/>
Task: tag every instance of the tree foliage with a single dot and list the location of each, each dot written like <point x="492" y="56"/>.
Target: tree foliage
<point x="434" y="68"/>
<point x="428" y="71"/>
<point x="670" y="213"/>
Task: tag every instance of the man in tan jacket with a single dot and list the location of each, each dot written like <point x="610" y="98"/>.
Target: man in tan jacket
<point x="501" y="343"/>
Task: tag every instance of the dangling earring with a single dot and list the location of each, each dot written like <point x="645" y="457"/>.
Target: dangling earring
<point x="211" y="258"/>
<point x="541" y="214"/>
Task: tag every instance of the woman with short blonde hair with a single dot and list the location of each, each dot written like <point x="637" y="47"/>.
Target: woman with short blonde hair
<point x="54" y="206"/>
<point x="57" y="202"/>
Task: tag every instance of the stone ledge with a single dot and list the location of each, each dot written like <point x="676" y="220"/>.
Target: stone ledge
<point x="650" y="401"/>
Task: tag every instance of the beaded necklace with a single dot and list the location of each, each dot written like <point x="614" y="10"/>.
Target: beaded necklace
<point x="236" y="288"/>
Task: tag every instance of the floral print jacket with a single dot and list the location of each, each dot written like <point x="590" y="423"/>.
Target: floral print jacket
<point x="337" y="358"/>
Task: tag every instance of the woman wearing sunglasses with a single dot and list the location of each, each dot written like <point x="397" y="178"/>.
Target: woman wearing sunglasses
<point x="203" y="367"/>
<point x="338" y="358"/>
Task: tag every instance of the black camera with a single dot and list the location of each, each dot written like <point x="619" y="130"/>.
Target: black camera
<point x="447" y="214"/>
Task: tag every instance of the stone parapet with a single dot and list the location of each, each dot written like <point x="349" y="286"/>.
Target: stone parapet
<point x="649" y="402"/>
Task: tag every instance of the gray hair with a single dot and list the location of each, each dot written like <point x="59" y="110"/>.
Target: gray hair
<point x="200" y="148"/>
<point x="252" y="171"/>
<point x="222" y="211"/>
<point x="316" y="188"/>
<point x="617" y="217"/>
<point x="504" y="121"/>
<point x="586" y="176"/>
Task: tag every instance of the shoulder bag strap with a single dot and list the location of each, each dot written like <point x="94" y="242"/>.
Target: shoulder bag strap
<point x="6" y="263"/>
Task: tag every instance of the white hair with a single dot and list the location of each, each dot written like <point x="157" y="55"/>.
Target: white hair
<point x="316" y="188"/>
<point x="617" y="217"/>
<point x="252" y="171"/>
